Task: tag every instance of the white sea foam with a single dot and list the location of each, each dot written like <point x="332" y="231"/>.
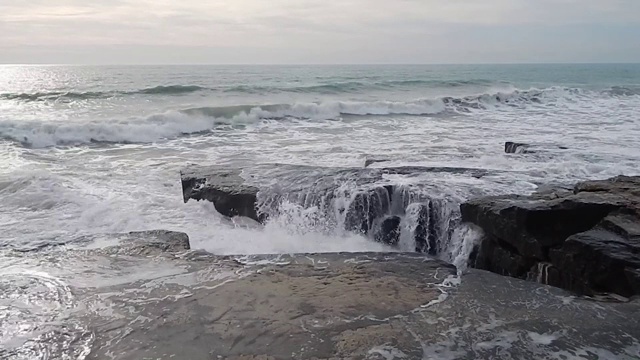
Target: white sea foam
<point x="44" y="134"/>
<point x="171" y="124"/>
<point x="543" y="339"/>
<point x="387" y="352"/>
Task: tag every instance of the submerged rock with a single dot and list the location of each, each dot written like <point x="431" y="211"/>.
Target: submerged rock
<point x="515" y="148"/>
<point x="522" y="148"/>
<point x="368" y="162"/>
<point x="147" y="243"/>
<point x="589" y="237"/>
<point x="170" y="241"/>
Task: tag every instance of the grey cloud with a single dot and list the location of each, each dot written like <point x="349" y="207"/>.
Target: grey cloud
<point x="324" y="31"/>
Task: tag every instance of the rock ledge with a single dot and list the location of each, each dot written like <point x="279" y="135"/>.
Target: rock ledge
<point x="586" y="240"/>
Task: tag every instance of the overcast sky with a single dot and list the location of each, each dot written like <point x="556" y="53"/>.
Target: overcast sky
<point x="319" y="31"/>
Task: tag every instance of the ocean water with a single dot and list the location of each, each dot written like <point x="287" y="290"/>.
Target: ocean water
<point x="88" y="150"/>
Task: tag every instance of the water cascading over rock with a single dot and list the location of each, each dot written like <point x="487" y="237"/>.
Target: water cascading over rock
<point x="411" y="217"/>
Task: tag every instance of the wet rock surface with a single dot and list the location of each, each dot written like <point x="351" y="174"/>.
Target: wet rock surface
<point x="586" y="240"/>
<point x="389" y="232"/>
<point x="515" y="148"/>
<point x="224" y="187"/>
<point x="511" y="147"/>
<point x="194" y="305"/>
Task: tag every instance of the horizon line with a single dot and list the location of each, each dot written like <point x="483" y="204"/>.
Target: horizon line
<point x="321" y="64"/>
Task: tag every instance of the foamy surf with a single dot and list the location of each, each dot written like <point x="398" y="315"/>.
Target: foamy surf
<point x="172" y="124"/>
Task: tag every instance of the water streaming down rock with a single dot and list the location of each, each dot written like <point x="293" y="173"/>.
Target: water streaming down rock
<point x="407" y="217"/>
<point x="420" y="216"/>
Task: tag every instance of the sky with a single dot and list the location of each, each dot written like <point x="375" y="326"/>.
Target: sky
<point x="318" y="31"/>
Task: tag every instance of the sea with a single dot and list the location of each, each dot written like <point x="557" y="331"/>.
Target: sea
<point x="98" y="149"/>
<point x="89" y="151"/>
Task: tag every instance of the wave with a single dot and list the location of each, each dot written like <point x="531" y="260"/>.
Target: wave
<point x="356" y="86"/>
<point x="205" y="119"/>
<point x="623" y="91"/>
<point x="52" y="95"/>
<point x="328" y="88"/>
<point x="171" y="89"/>
<point x="71" y="96"/>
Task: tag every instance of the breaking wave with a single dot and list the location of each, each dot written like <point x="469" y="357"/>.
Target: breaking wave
<point x="198" y="120"/>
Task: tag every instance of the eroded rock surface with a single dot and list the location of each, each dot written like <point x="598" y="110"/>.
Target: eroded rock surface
<point x="586" y="240"/>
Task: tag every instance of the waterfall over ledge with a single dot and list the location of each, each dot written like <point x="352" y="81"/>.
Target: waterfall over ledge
<point x="388" y="205"/>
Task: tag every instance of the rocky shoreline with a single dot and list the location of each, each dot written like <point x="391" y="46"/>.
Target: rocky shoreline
<point x="585" y="239"/>
<point x="167" y="300"/>
<point x="170" y="302"/>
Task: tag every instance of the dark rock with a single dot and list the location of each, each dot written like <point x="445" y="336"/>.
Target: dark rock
<point x="502" y="259"/>
<point x="368" y="162"/>
<point x="389" y="231"/>
<point x="515" y="148"/>
<point x="617" y="186"/>
<point x="589" y="237"/>
<point x="225" y="188"/>
<point x="598" y="260"/>
<point x="421" y="233"/>
<point x="545" y="273"/>
<point x="522" y="148"/>
<point x="532" y="224"/>
<point x="426" y="232"/>
<point x="366" y="207"/>
<point x="633" y="278"/>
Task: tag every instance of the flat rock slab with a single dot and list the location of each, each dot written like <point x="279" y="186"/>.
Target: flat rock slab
<point x="282" y="306"/>
<point x="193" y="305"/>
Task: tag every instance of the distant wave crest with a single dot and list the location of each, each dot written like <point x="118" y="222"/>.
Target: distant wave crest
<point x="328" y="88"/>
<point x="168" y="90"/>
<point x="355" y="86"/>
<point x="71" y="96"/>
<point x="171" y="89"/>
<point x="204" y="119"/>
